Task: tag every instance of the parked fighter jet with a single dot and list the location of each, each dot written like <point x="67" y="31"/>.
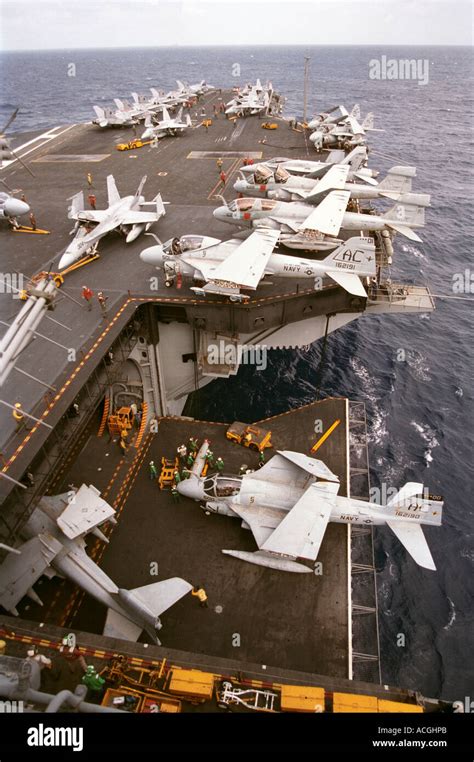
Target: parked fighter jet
<point x="198" y="89"/>
<point x="11" y="207"/>
<point x="356" y="159"/>
<point x="55" y="545"/>
<point x="289" y="502"/>
<point x="264" y="182"/>
<point x="252" y="100"/>
<point x="167" y="125"/>
<point x="304" y="227"/>
<point x="227" y="267"/>
<point x="347" y="134"/>
<point x="128" y="214"/>
<point x="334" y="115"/>
<point x="109" y="117"/>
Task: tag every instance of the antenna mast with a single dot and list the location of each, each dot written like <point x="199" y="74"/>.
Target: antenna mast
<point x="305" y="97"/>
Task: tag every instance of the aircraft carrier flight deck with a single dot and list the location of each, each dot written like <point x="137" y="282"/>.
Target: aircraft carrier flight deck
<point x="292" y="621"/>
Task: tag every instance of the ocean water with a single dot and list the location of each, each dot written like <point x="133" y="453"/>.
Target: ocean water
<point x="420" y="408"/>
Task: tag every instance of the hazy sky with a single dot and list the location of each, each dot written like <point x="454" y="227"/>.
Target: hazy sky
<point x="46" y="24"/>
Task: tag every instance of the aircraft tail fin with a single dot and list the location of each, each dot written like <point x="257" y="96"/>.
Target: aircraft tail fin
<point x="76" y="205"/>
<point x="136" y="98"/>
<point x="140" y="188"/>
<point x="180" y="85"/>
<point x="355" y="111"/>
<point x="179" y="115"/>
<point x="166" y="114"/>
<point x="415" y="502"/>
<point x="355" y="158"/>
<point x="142" y="608"/>
<point x="414" y="541"/>
<point x="403" y="216"/>
<point x="188" y="121"/>
<point x="100" y="113"/>
<point x="398" y="179"/>
<point x="368" y="123"/>
<point x="148" y="121"/>
<point x="112" y="192"/>
<point x="120" y="104"/>
<point x="354" y="258"/>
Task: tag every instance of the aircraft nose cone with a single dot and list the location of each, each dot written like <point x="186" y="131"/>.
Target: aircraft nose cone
<point x="152" y="255"/>
<point x="67" y="259"/>
<point x="15" y="208"/>
<point x="220" y="213"/>
<point x="191" y="488"/>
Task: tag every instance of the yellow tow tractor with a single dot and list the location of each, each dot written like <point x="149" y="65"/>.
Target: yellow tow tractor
<point x="59" y="277"/>
<point x="269" y="126"/>
<point x="121" y="420"/>
<point x="132" y="144"/>
<point x="249" y="436"/>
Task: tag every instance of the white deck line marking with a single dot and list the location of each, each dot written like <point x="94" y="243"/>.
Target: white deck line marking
<point x="47" y="136"/>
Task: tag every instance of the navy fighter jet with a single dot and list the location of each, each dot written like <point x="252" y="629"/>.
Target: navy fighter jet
<point x="131" y="214"/>
<point x="226" y="267"/>
<point x="304" y="226"/>
<point x="289" y="502"/>
<point x="55" y="545"/>
<point x="167" y="125"/>
<point x="109" y="117"/>
<point x="278" y="183"/>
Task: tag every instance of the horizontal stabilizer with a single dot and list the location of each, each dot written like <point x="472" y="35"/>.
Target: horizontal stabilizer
<point x="404" y="230"/>
<point x="19" y="572"/>
<point x="412" y="538"/>
<point x="350" y="282"/>
<point x="119" y="626"/>
<point x="160" y="596"/>
<point x="137" y="217"/>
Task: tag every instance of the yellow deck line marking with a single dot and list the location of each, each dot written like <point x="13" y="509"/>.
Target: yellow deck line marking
<point x="328" y="433"/>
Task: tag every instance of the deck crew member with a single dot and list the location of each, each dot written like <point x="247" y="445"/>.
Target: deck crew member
<point x="200" y="593"/>
<point x="220" y="465"/>
<point x="182" y="451"/>
<point x="18" y="417"/>
<point x="153" y="470"/>
<point x="103" y="302"/>
<point x="87" y="294"/>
